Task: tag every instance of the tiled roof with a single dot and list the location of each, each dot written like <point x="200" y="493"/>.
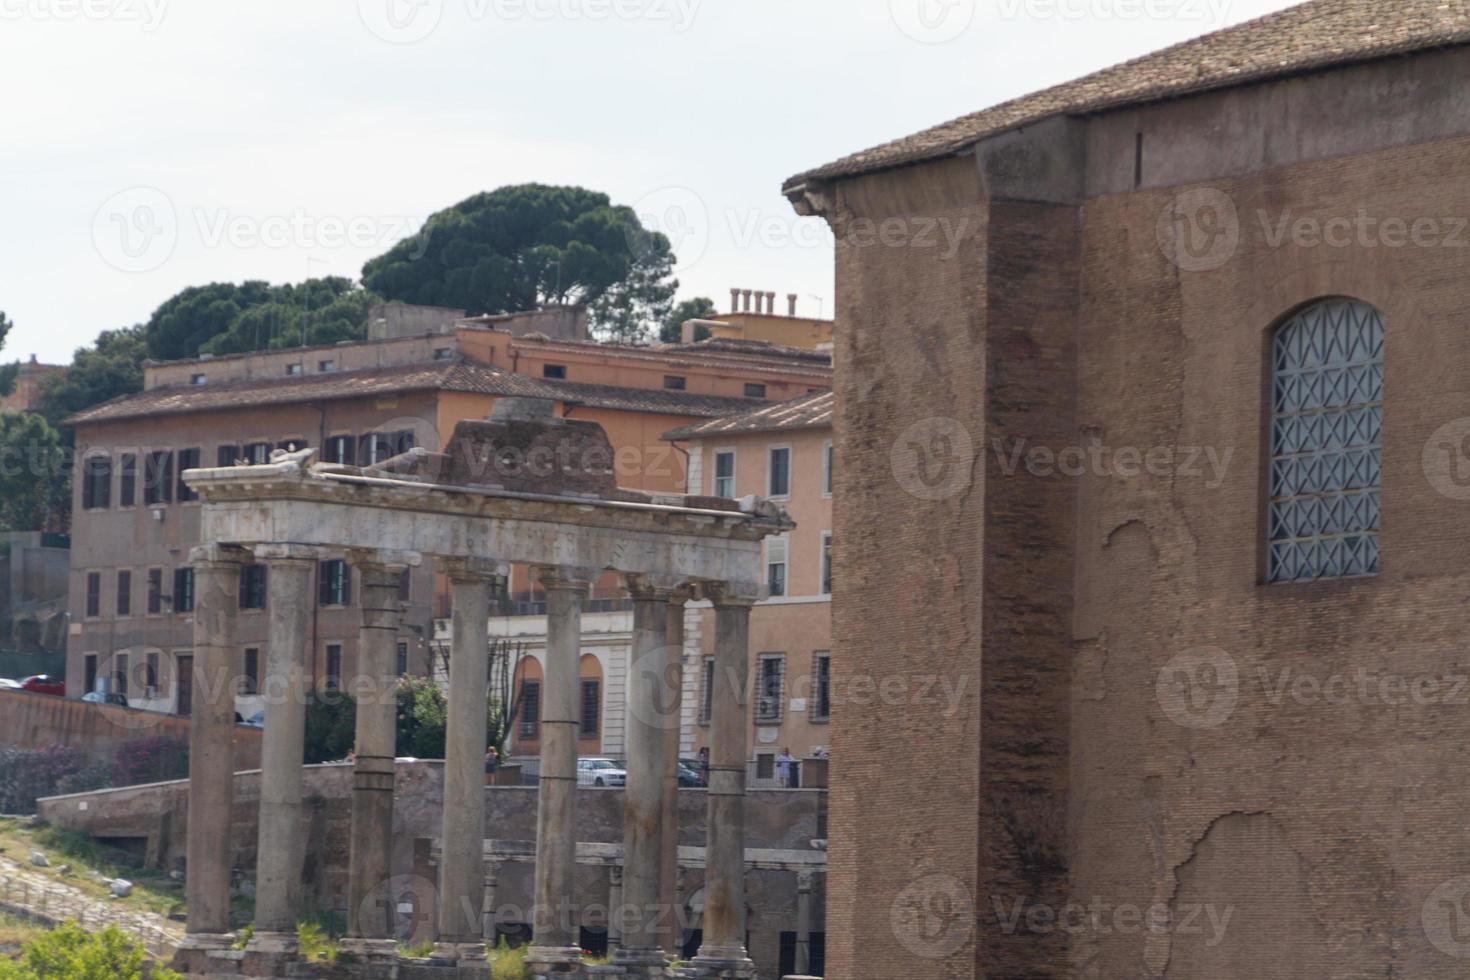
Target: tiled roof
<point x="807" y="412"/>
<point x="707" y="353"/>
<point x="1309" y="37"/>
<point x="756" y="348"/>
<point x="463" y="376"/>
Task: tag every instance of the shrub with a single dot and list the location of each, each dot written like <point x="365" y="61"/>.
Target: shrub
<point x="151" y="760"/>
<point x="68" y="951"/>
<point x="507" y="963"/>
<point x="27" y="774"/>
<point x="331" y="717"/>
<point x="95" y="775"/>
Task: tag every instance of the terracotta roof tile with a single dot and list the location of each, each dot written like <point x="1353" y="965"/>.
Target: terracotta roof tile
<point x="1309" y="37"/>
<point x="807" y="412"/>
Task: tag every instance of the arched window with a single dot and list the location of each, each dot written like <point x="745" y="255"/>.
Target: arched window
<point x="1326" y="430"/>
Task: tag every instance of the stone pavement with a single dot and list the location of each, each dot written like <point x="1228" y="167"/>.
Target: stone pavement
<point x="26" y="891"/>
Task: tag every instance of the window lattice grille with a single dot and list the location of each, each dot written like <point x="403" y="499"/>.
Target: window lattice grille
<point x="1326" y="432"/>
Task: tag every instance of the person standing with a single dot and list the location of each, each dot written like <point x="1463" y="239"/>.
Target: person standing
<point x="786" y="768"/>
<point x="492" y="765"/>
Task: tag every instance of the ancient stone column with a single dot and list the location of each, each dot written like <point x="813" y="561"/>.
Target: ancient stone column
<point x="723" y="950"/>
<point x="647" y="721"/>
<point x="461" y="867"/>
<point x="556" y="939"/>
<point x="212" y="745"/>
<point x="279" y="851"/>
<point x="671" y="935"/>
<point x="492" y="885"/>
<point x="371" y="908"/>
<point x="614" y="906"/>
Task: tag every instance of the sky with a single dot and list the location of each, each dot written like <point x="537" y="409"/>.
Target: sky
<point x="150" y="145"/>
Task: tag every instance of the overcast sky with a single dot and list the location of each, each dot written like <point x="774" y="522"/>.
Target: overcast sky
<point x="149" y="145"/>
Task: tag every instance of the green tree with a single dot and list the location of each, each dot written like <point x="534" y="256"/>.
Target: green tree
<point x="34" y="477"/>
<point x="226" y="318"/>
<point x="110" y="368"/>
<point x="517" y="248"/>
<point x="699" y="308"/>
<point x="9" y="371"/>
<point x="423" y="714"/>
<point x="69" y="951"/>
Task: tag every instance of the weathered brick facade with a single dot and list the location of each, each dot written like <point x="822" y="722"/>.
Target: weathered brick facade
<point x="1108" y="539"/>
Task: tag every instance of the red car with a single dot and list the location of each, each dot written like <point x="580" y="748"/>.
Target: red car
<point x="44" y="684"/>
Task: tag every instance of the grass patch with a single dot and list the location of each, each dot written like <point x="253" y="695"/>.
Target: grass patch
<point x="16" y="931"/>
<point x="507" y="963"/>
<point x="153" y="891"/>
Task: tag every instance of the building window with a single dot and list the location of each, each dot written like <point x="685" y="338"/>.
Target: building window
<point x="827" y="468"/>
<point x="336" y="583"/>
<point x="250" y="683"/>
<point x="340" y="449"/>
<point x="674" y="382"/>
<point x="188" y="460"/>
<point x="826" y="563"/>
<point x="89" y="673"/>
<point x="779" y="482"/>
<point x="121" y="668"/>
<point x="258" y="453"/>
<point x="127" y="480"/>
<point x="1326" y="432"/>
<point x="755" y="391"/>
<point x="125" y="593"/>
<point x="97" y="483"/>
<point x="765" y="765"/>
<point x="530" y="709"/>
<point x="557" y="372"/>
<point x="376" y="447"/>
<point x="770" y="688"/>
<point x="707" y="696"/>
<point x="158" y="478"/>
<point x="405" y="585"/>
<point x="226" y="455"/>
<point x="183" y="590"/>
<point x="591" y="708"/>
<point x="155" y="591"/>
<point x="198" y="379"/>
<point x="334" y="667"/>
<point x="150" y="679"/>
<point x="402" y="660"/>
<point x="404" y="441"/>
<point x="821" y="686"/>
<point x="725" y="474"/>
<point x="443" y="353"/>
<point x="776" y="556"/>
<point x="252" y="587"/>
<point x="293" y="445"/>
<point x="94" y="595"/>
<point x="293" y="370"/>
<point x="326" y="367"/>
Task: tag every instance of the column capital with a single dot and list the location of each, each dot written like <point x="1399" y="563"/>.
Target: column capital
<point x="731" y="594"/>
<point x="381" y="558"/>
<point x="218" y="554"/>
<point x="571" y="577"/>
<point x="805" y="880"/>
<point x="470" y="570"/>
<point x="615" y="875"/>
<point x="652" y="586"/>
<point x="275" y="554"/>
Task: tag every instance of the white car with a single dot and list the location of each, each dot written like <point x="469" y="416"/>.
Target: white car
<point x="600" y="772"/>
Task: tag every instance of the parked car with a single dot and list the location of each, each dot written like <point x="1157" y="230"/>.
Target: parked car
<point x="105" y="697"/>
<point x="6" y="684"/>
<point x="689" y="777"/>
<point x="600" y="772"/>
<point x="44" y="684"/>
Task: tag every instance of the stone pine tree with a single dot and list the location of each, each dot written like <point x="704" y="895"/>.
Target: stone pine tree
<point x="521" y="247"/>
<point x="699" y="308"/>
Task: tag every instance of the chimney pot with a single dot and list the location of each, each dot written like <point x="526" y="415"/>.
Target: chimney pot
<point x="735" y="300"/>
<point x="771" y="303"/>
<point x="791" y="303"/>
<point x="747" y="294"/>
